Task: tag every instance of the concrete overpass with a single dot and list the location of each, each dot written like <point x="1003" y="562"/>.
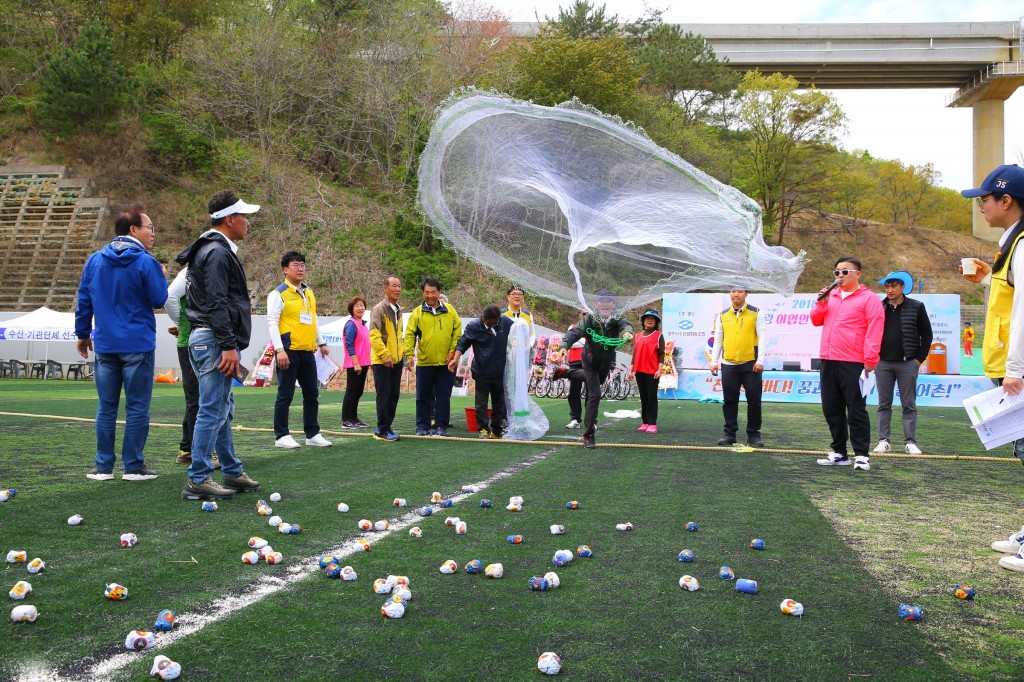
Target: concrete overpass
<point x="981" y="61"/>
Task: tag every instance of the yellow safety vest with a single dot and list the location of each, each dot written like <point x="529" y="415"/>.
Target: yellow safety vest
<point x="294" y="334"/>
<point x="739" y="335"/>
<point x="997" y="319"/>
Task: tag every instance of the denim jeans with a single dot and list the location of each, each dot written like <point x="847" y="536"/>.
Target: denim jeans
<point x="133" y="372"/>
<point x="216" y="409"/>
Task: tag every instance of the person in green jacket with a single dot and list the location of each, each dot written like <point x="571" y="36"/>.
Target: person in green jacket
<point x="436" y="327"/>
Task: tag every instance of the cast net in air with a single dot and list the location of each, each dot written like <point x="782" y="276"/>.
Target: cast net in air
<point x="567" y="202"/>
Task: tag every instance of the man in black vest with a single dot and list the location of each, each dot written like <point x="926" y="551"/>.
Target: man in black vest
<point x="905" y="344"/>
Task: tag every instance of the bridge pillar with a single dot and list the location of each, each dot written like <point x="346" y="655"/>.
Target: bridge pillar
<point x="989" y="152"/>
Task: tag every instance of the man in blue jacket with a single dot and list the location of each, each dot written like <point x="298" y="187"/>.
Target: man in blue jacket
<point x="488" y="337"/>
<point x="121" y="286"/>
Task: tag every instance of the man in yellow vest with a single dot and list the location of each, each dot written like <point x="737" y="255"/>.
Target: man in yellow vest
<point x="293" y="330"/>
<point x="1001" y="200"/>
<point x="736" y="352"/>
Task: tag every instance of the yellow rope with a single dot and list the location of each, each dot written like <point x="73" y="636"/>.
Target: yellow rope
<point x="639" y="446"/>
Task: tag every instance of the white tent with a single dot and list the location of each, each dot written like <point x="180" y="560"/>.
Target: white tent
<point x="42" y="324"/>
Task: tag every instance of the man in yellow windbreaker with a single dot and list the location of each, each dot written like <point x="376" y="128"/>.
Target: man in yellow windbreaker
<point x="387" y="356"/>
<point x="293" y="331"/>
<point x="436" y="327"/>
<point x="1001" y="200"/>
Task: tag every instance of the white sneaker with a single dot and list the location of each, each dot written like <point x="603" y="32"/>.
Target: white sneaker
<point x="1013" y="563"/>
<point x="883" y="446"/>
<point x="912" y="449"/>
<point x="574" y="424"/>
<point x="1010" y="545"/>
<point x="286" y="442"/>
<point x="319" y="441"/>
<point x="835" y="459"/>
<point x="862" y="463"/>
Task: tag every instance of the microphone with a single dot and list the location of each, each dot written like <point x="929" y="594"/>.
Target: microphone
<point x="829" y="288"/>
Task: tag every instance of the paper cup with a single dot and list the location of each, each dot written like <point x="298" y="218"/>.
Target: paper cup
<point x="969" y="266"/>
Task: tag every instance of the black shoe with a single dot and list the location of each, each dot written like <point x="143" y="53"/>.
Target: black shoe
<point x="727" y="440"/>
<point x="142" y="474"/>
<point x="1018" y="449"/>
<point x="755" y="442"/>
<point x="588" y="442"/>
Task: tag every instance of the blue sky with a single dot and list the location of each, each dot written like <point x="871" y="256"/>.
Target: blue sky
<point x="913" y="126"/>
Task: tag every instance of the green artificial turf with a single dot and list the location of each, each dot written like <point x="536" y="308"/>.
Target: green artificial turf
<point x="849" y="546"/>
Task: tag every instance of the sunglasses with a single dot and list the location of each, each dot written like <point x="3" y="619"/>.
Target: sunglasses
<point x="842" y="273"/>
<point x="980" y="201"/>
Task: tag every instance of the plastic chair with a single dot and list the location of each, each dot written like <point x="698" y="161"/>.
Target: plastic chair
<point x="5" y="368"/>
<point x="80" y="370"/>
<point x="19" y="369"/>
<point x="37" y="369"/>
<point x="54" y="368"/>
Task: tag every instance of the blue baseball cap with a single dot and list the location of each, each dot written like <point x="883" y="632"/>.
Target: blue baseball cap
<point x="1003" y="180"/>
<point x="900" y="276"/>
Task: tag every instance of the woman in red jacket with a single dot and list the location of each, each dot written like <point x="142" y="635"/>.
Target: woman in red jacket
<point x="648" y="359"/>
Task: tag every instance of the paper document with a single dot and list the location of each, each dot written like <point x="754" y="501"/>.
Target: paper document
<point x="997" y="417"/>
<point x="326" y="367"/>
<point x="867" y="382"/>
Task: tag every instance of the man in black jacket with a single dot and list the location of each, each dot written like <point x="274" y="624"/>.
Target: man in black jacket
<point x="488" y="337"/>
<point x="906" y="340"/>
<point x="217" y="306"/>
<point x="601" y="329"/>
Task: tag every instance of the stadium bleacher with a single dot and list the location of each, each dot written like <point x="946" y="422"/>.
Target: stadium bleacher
<point x="49" y="225"/>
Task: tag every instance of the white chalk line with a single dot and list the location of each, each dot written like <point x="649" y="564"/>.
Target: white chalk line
<point x="266" y="586"/>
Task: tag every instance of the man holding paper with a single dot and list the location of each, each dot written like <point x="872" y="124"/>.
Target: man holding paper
<point x="852" y="321"/>
<point x="293" y="330"/>
<point x="1000" y="199"/>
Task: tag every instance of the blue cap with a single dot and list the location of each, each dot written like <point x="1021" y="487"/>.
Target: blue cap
<point x="650" y="312"/>
<point x="1003" y="180"/>
<point x="902" y="276"/>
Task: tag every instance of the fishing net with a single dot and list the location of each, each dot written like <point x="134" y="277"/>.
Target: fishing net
<point x="566" y="202"/>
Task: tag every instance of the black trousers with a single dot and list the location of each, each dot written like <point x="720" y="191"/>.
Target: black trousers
<point x="844" y="407"/>
<point x="301" y="366"/>
<point x="593" y="378"/>
<point x="495" y="389"/>
<point x="354" y="386"/>
<point x="575" y="391"/>
<point x="433" y="397"/>
<point x="647" y="386"/>
<point x="191" y="385"/>
<point x="388" y="383"/>
<point x="734" y="376"/>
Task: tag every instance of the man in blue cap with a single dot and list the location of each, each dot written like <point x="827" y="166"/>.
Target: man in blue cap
<point x="1001" y="200"/>
<point x="906" y="340"/>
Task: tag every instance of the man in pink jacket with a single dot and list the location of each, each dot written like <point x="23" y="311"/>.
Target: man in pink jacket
<point x="852" y="321"/>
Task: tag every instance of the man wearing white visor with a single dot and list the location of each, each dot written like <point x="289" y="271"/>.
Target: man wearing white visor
<point x="217" y="306"/>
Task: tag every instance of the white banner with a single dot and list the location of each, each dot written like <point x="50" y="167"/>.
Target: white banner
<point x="792" y="342"/>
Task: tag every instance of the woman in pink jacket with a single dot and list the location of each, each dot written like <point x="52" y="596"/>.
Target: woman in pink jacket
<point x="852" y="321"/>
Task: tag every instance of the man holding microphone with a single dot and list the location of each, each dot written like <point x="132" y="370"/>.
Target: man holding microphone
<point x="852" y="321"/>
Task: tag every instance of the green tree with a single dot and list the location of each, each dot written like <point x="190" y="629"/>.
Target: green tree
<point x="155" y="28"/>
<point x="555" y="67"/>
<point x="902" y="190"/>
<point x="790" y="133"/>
<point x="584" y="20"/>
<point x="82" y="86"/>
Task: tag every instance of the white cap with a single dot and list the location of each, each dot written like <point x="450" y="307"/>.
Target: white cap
<point x="237" y="207"/>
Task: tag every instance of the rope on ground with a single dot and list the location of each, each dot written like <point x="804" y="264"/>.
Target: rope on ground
<point x="637" y="446"/>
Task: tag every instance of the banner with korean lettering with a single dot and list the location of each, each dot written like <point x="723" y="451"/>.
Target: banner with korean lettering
<point x="933" y="390"/>
<point x="689" y="320"/>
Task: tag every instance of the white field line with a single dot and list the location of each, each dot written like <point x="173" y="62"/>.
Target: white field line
<point x="222" y="607"/>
